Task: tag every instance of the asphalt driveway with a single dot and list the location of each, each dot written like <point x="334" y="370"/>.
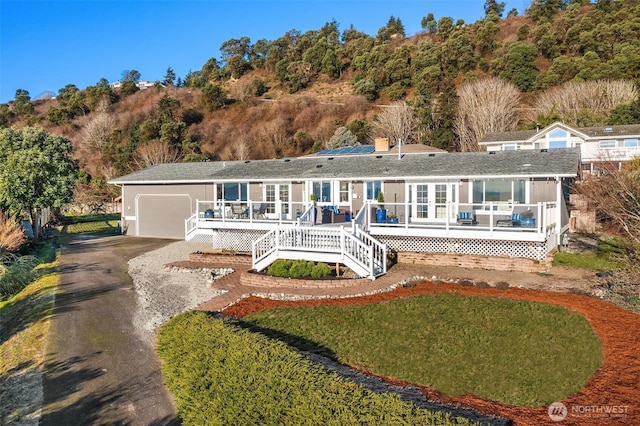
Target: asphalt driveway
<point x="98" y="370"/>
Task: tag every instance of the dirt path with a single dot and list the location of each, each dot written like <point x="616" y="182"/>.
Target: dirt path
<point x="612" y="396"/>
<point x="97" y="369"/>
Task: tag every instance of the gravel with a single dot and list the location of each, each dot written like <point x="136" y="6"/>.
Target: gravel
<point x="165" y="292"/>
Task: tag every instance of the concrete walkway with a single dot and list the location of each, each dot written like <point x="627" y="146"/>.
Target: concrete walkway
<point x="237" y="291"/>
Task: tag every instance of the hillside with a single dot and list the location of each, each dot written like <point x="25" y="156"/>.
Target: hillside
<point x="287" y="97"/>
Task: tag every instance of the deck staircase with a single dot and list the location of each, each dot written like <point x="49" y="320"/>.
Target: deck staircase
<point x="356" y="249"/>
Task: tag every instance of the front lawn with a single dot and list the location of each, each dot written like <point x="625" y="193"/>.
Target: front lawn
<point x="514" y="352"/>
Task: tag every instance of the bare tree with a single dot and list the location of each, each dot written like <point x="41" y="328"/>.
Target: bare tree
<point x="155" y="152"/>
<point x="396" y="122"/>
<point x="485" y="106"/>
<point x="597" y="96"/>
<point x="240" y="151"/>
<point x="274" y="132"/>
<point x="98" y="129"/>
<point x="615" y="196"/>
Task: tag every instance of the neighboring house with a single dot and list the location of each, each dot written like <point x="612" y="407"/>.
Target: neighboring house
<point x="602" y="144"/>
<point x="142" y="84"/>
<point x="506" y="205"/>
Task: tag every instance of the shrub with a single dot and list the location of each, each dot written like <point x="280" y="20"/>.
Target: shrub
<point x="482" y="284"/>
<point x="321" y="270"/>
<point x="220" y="373"/>
<point x="280" y="268"/>
<point x="502" y="285"/>
<point x="300" y="269"/>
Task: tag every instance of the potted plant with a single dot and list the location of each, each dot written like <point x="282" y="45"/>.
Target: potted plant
<point x="392" y="218"/>
<point x="312" y="197"/>
<point x="208" y="213"/>
<point x="381" y="212"/>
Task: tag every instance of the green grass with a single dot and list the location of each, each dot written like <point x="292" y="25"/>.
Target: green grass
<point x="514" y="352"/>
<point x="222" y="374"/>
<point x="95" y="224"/>
<point x="24" y="324"/>
<point x="69" y="218"/>
<point x="608" y="257"/>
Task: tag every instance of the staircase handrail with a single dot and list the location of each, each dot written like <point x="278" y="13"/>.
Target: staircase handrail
<point x="360" y="219"/>
<point x="264" y="246"/>
<point x="366" y="252"/>
<point x="190" y="223"/>
<point x="307" y="218"/>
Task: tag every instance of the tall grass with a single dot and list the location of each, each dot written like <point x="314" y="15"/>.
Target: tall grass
<point x="16" y="272"/>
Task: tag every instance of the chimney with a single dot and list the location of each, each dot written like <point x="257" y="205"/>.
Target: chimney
<point x="381" y="144"/>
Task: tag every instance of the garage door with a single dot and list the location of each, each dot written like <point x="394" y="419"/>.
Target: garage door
<point x="163" y="215"/>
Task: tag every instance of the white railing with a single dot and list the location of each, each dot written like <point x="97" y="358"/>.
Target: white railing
<point x="485" y="216"/>
<point x="373" y="254"/>
<point x="360" y="219"/>
<point x="249" y="211"/>
<point x="360" y="252"/>
<point x="308" y="218"/>
<point x="190" y="224"/>
<point x="609" y="154"/>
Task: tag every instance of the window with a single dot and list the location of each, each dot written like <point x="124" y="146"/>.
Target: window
<point x="631" y="143"/>
<point x="496" y="190"/>
<point x="557" y="133"/>
<point x="557" y="138"/>
<point x="234" y="191"/>
<point x="344" y="192"/>
<point x="607" y="144"/>
<point x="373" y="189"/>
<point x="322" y="191"/>
<point x="557" y="144"/>
<point x="509" y="147"/>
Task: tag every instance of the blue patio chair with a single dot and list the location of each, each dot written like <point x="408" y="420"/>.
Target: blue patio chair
<point x="466" y="218"/>
<point x="516" y="219"/>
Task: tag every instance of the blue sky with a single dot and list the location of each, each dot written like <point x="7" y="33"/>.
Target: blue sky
<point x="45" y="45"/>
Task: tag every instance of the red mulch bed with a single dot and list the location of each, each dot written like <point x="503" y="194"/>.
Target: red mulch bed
<point x="616" y="383"/>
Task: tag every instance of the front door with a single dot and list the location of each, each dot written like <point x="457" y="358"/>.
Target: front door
<point x="430" y="201"/>
<point x="278" y="202"/>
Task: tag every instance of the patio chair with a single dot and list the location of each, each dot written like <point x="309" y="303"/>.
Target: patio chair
<point x="514" y="221"/>
<point x="238" y="212"/>
<point x="466" y="218"/>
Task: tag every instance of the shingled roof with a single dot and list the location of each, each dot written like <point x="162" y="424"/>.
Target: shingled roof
<point x="525" y="163"/>
<point x="595" y="132"/>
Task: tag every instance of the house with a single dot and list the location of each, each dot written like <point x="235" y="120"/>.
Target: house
<point x="327" y="207"/>
<point x="601" y="144"/>
<point x="141" y="84"/>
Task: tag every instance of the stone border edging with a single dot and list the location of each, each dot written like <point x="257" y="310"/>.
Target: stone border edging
<point x="257" y="280"/>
